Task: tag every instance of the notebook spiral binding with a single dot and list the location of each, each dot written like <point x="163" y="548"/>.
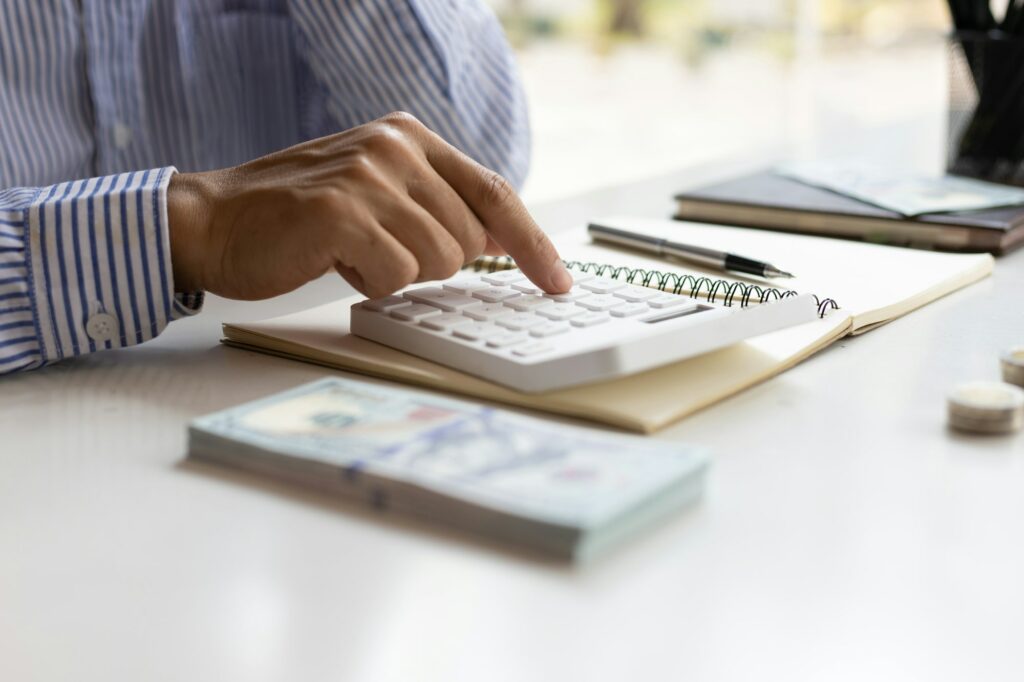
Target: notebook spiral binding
<point x="712" y="290"/>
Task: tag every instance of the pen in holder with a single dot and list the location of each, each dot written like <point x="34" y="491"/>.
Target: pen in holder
<point x="986" y="106"/>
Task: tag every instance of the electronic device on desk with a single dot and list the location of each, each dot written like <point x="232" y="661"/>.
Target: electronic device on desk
<point x="500" y="327"/>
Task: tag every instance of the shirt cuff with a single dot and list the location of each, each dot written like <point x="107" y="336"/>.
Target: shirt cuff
<point x="99" y="268"/>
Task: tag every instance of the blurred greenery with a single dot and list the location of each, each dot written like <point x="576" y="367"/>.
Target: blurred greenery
<point x="698" y="28"/>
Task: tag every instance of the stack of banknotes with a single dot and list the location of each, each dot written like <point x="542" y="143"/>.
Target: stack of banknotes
<point x="564" y="491"/>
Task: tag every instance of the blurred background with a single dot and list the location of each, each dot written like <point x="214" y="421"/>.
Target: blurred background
<point x="623" y="89"/>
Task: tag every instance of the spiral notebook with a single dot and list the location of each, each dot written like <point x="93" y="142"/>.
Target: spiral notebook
<point x="859" y="286"/>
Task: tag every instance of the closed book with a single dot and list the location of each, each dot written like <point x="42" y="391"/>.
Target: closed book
<point x="771" y="201"/>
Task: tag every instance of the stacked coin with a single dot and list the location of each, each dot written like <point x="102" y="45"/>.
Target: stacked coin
<point x="986" y="407"/>
<point x="1013" y="366"/>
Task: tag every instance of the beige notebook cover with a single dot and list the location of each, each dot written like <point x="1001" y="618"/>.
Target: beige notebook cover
<point x="872" y="284"/>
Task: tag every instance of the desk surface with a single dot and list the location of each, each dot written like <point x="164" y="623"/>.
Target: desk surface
<point x="845" y="533"/>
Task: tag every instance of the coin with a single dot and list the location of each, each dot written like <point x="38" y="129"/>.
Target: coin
<point x="1013" y="366"/>
<point x="986" y="407"/>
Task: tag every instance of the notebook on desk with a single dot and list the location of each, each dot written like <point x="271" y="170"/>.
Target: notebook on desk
<point x="772" y="201"/>
<point x="871" y="285"/>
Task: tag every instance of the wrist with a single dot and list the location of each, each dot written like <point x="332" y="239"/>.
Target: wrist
<point x="187" y="217"/>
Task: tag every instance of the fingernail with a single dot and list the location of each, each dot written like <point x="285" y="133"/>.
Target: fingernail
<point x="561" y="279"/>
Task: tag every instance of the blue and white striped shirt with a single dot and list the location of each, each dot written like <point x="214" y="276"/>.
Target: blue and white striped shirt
<point x="101" y="100"/>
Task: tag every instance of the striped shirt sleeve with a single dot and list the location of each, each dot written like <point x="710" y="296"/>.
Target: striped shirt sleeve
<point x="85" y="266"/>
<point x="445" y="61"/>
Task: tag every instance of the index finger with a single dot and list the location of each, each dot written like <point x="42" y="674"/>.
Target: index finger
<point x="502" y="214"/>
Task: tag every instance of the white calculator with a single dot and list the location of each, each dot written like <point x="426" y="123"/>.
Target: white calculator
<point x="501" y="327"/>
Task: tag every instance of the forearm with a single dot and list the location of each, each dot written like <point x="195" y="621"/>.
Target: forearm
<point x="85" y="266"/>
<point x="447" y="63"/>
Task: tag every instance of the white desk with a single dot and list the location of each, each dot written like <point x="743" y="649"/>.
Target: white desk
<point x="845" y="535"/>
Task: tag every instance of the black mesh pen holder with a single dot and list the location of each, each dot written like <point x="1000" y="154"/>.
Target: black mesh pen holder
<point x="986" y="107"/>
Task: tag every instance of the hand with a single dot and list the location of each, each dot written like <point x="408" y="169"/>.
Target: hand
<point x="385" y="204"/>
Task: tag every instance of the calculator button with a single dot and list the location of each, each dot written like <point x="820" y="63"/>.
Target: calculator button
<point x="579" y="277"/>
<point x="445" y="321"/>
<point x="523" y="303"/>
<point x="485" y="311"/>
<point x="561" y="311"/>
<point x="629" y="309"/>
<point x="466" y="285"/>
<point x="494" y="294"/>
<point x="589" y="319"/>
<point x="599" y="302"/>
<point x="504" y="277"/>
<point x="477" y="331"/>
<point x="436" y="296"/>
<point x="549" y="329"/>
<point x="634" y="294"/>
<point x="519" y="321"/>
<point x="507" y="339"/>
<point x="532" y="349"/>
<point x="602" y="286"/>
<point x="384" y="304"/>
<point x="670" y="301"/>
<point x="527" y="287"/>
<point x="573" y="294"/>
<point x="414" y="312"/>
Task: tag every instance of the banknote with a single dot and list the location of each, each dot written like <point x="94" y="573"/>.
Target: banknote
<point x="906" y="193"/>
<point x="434" y="456"/>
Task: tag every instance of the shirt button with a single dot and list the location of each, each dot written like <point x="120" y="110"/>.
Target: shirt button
<point x="101" y="327"/>
<point x="122" y="135"/>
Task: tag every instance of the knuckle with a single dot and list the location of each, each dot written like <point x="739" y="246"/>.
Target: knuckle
<point x="402" y="268"/>
<point x="386" y="142"/>
<point x="451" y="261"/>
<point x="361" y="168"/>
<point x="402" y="120"/>
<point x="324" y="201"/>
<point x="404" y="272"/>
<point x="495" y="190"/>
<point x="397" y="276"/>
<point x="476" y="244"/>
<point x="370" y="242"/>
<point x="444" y="261"/>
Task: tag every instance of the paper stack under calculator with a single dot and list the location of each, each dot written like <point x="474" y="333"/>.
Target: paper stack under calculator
<point x="563" y="490"/>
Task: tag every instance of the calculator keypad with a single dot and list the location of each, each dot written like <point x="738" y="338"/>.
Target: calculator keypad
<point x="499" y="327"/>
<point x="466" y="285"/>
<point x="441" y="298"/>
<point x="588" y="320"/>
<point x="381" y="305"/>
<point x="504" y="312"/>
<point x="560" y="311"/>
<point x="485" y="311"/>
<point x="477" y="331"/>
<point x="629" y="310"/>
<point x="602" y="286"/>
<point x="525" y="303"/>
<point x="574" y="294"/>
<point x="519" y="321"/>
<point x="600" y="302"/>
<point x="494" y="294"/>
<point x="527" y="287"/>
<point x="443" y="323"/>
<point x="416" y="311"/>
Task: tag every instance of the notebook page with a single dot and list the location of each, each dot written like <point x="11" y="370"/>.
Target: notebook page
<point x="873" y="283"/>
<point x="641" y="402"/>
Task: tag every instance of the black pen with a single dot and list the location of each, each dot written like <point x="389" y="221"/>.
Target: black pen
<point x="719" y="260"/>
